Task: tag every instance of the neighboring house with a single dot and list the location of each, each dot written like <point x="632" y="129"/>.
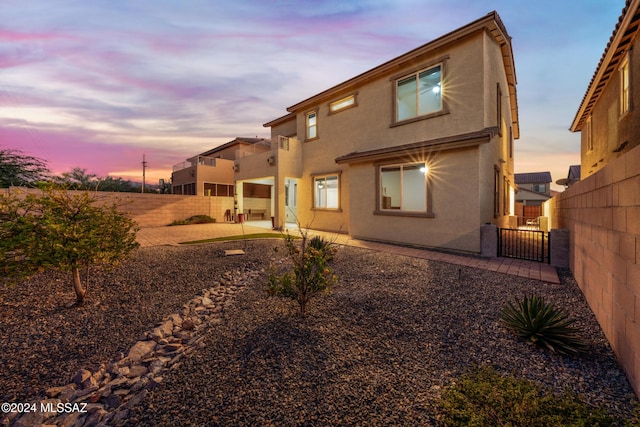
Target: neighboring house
<point x="418" y="150"/>
<point x="573" y="176"/>
<point x="211" y="173"/>
<point x="608" y="118"/>
<point x="534" y="189"/>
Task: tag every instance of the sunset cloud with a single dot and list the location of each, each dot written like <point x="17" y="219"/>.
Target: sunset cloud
<point x="98" y="84"/>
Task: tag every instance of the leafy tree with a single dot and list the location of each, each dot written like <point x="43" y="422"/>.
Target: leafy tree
<point x="17" y="169"/>
<point x="60" y="230"/>
<point x="78" y="179"/>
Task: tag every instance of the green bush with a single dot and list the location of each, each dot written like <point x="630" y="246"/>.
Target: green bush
<point x="485" y="398"/>
<point x="321" y="245"/>
<point x="196" y="219"/>
<point x="309" y="276"/>
<point x="541" y="323"/>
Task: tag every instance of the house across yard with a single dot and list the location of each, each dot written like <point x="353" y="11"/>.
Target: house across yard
<point x="418" y="150"/>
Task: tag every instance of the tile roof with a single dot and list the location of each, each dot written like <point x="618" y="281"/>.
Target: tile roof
<point x="625" y="31"/>
<point x="574" y="173"/>
<point x="532" y="177"/>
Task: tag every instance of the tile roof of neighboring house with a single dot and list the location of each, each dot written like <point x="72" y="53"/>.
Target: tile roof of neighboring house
<point x="532" y="177"/>
<point x="237" y="140"/>
<point x="574" y="173"/>
<point x="490" y="23"/>
<point x="623" y="35"/>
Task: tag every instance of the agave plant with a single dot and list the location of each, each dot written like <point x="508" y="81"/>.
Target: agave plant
<point x="543" y="324"/>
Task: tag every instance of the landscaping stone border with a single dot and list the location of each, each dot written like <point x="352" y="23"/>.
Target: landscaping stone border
<point x="105" y="394"/>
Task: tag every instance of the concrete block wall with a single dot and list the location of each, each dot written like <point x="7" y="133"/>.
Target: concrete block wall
<point x="156" y="210"/>
<point x="602" y="213"/>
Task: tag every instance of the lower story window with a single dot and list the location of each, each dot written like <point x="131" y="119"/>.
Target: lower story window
<point x="404" y="187"/>
<point x="326" y="192"/>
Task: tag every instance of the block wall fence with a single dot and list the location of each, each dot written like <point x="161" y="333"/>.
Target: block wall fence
<point x="156" y="210"/>
<point x="602" y="214"/>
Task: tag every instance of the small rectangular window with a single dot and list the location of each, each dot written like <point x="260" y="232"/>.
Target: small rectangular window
<point x="343" y="103"/>
<point x="499" y="109"/>
<point x="312" y="124"/>
<point x="326" y="192"/>
<point x="588" y="136"/>
<point x="496" y="192"/>
<point x="625" y="100"/>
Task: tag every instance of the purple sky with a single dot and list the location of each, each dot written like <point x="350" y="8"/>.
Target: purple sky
<point x="96" y="84"/>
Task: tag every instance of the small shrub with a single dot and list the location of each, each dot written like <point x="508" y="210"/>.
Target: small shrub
<point x="541" y="323"/>
<point x="309" y="276"/>
<point x="320" y="244"/>
<point x="484" y="397"/>
<point x="196" y="219"/>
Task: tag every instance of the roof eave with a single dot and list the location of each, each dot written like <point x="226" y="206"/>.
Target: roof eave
<point x="628" y="13"/>
<point x="421" y="147"/>
<point x="491" y="21"/>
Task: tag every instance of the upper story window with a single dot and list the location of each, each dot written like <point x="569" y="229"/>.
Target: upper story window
<point x="311" y="119"/>
<point x="540" y="188"/>
<point x="342" y="104"/>
<point x="588" y="136"/>
<point x="419" y="94"/>
<point x="499" y="108"/>
<point x="625" y="99"/>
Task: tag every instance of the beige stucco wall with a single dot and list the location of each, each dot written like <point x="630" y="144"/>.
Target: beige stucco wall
<point x="602" y="213"/>
<point x="455" y="200"/>
<point x="154" y="210"/>
<point x="473" y="67"/>
<point x="608" y="128"/>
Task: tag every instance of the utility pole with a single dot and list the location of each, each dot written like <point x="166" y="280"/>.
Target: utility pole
<point x="144" y="168"/>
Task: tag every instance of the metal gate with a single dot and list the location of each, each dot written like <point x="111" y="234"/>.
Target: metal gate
<point x="523" y="244"/>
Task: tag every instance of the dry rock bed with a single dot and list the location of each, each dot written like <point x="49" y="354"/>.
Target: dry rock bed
<point x="378" y="350"/>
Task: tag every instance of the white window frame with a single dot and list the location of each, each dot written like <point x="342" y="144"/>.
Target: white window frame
<point x="343" y="104"/>
<point x="321" y="204"/>
<point x="311" y="129"/>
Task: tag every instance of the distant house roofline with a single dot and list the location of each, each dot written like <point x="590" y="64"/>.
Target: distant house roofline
<point x="237" y="141"/>
<point x="532" y="177"/>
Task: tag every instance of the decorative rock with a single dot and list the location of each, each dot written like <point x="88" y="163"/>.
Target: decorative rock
<point x="115" y="388"/>
<point x="81" y="376"/>
<point x="137" y="371"/>
<point x="188" y="324"/>
<point x="56" y="391"/>
<point x="141" y="349"/>
<point x="94" y="418"/>
<point x="176" y="319"/>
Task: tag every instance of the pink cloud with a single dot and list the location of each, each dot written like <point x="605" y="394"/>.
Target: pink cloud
<point x="65" y="150"/>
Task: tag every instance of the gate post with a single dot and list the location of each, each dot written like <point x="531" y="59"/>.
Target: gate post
<point x="559" y="247"/>
<point x="489" y="241"/>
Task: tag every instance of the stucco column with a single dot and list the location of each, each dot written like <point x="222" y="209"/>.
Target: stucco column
<point x="489" y="241"/>
<point x="559" y="247"/>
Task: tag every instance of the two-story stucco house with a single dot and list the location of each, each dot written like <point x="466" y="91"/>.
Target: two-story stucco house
<point x="608" y="118"/>
<point x="211" y="173"/>
<point x="418" y="150"/>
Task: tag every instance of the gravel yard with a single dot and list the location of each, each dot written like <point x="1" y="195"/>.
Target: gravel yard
<point x="378" y="350"/>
